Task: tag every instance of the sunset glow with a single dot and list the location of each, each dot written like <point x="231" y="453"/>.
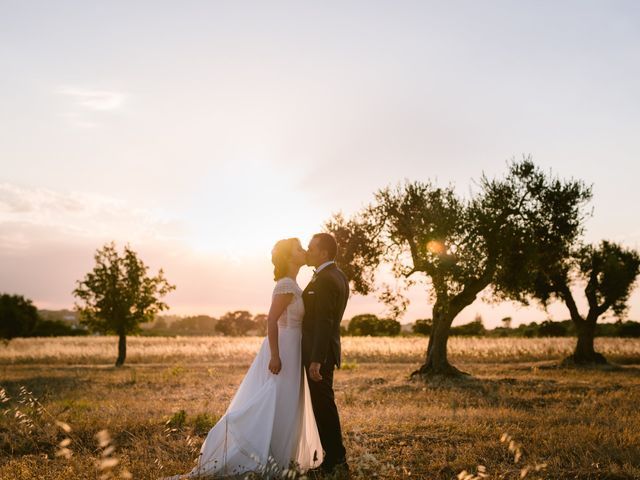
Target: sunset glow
<point x="204" y="136"/>
<point x="436" y="247"/>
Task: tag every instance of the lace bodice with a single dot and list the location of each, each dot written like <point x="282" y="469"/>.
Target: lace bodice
<point x="292" y="316"/>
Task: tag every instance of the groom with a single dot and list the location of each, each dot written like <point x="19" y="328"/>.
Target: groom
<point x="325" y="299"/>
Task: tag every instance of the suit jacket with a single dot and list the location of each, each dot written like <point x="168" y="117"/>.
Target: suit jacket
<point x="325" y="299"/>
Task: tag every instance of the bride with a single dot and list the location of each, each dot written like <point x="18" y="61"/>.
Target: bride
<point x="269" y="424"/>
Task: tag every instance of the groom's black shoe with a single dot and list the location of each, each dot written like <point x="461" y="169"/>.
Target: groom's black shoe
<point x="337" y="471"/>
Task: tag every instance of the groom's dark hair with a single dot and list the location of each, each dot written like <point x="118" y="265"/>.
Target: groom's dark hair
<point x="328" y="243"/>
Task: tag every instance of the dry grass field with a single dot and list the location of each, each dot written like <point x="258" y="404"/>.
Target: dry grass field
<point x="157" y="409"/>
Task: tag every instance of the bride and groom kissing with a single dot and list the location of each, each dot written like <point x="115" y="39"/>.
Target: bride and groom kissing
<point x="283" y="415"/>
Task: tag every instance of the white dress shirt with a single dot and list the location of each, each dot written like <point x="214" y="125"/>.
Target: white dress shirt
<point x="325" y="264"/>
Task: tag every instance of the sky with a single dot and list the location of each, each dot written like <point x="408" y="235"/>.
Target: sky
<point x="200" y="132"/>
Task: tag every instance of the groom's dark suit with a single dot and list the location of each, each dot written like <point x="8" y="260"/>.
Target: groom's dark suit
<point x="325" y="299"/>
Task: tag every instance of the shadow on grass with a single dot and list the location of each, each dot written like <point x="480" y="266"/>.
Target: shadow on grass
<point x="524" y="393"/>
<point x="44" y="387"/>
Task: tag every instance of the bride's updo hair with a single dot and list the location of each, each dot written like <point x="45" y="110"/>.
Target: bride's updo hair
<point x="280" y="256"/>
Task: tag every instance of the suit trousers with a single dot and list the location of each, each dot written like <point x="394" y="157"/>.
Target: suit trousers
<point x="327" y="418"/>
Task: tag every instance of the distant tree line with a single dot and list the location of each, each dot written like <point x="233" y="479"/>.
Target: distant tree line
<point x="547" y="328"/>
<point x="20" y="318"/>
<point x="236" y="323"/>
<point x="370" y="325"/>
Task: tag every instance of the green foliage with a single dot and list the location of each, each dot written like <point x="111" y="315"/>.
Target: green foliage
<point x="118" y="295"/>
<point x="18" y="316"/>
<point x="552" y="329"/>
<point x="177" y="420"/>
<point x="608" y="271"/>
<point x="63" y="315"/>
<point x="55" y="328"/>
<point x="346" y="365"/>
<point x="360" y="247"/>
<point x="260" y="324"/>
<point x="422" y="326"/>
<point x="203" y="422"/>
<point x="471" y="329"/>
<point x="566" y="328"/>
<point x="389" y="327"/>
<point x="475" y="328"/>
<point x="173" y="372"/>
<point x="629" y="329"/>
<point x="363" y="324"/>
<point x="231" y="324"/>
<point x="193" y="325"/>
<point x="368" y="324"/>
<point x="236" y="323"/>
<point x="462" y="246"/>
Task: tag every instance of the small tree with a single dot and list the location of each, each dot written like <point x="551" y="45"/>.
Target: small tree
<point x="235" y="323"/>
<point x="629" y="329"/>
<point x="118" y="295"/>
<point x="260" y="324"/>
<point x="160" y="323"/>
<point x="18" y="316"/>
<point x="388" y="327"/>
<point x="471" y="329"/>
<point x="55" y="328"/>
<point x="422" y="326"/>
<point x="369" y="324"/>
<point x="549" y="328"/>
<point x="608" y="272"/>
<point x="194" y="325"/>
<point x="363" y="325"/>
<point x="506" y="322"/>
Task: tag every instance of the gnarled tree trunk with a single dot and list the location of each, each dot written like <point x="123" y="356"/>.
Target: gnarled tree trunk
<point x="122" y="349"/>
<point x="584" y="352"/>
<point x="436" y="362"/>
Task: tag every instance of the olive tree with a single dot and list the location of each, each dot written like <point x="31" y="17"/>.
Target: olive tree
<point x="461" y="247"/>
<point x="607" y="271"/>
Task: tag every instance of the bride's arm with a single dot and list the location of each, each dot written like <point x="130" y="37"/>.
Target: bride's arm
<point x="278" y="305"/>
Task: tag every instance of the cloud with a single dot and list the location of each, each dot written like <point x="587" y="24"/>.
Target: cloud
<point x="31" y="215"/>
<point x="100" y="100"/>
<point x="11" y="201"/>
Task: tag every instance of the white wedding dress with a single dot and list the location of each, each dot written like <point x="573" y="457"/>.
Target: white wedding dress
<point x="269" y="422"/>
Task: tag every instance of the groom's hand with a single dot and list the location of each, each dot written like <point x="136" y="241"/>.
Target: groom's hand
<point x="314" y="372"/>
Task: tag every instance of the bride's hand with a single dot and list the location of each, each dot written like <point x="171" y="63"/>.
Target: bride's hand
<point x="275" y="365"/>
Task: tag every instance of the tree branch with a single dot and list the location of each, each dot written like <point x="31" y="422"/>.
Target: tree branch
<point x="590" y="289"/>
<point x="565" y="293"/>
<point x="473" y="288"/>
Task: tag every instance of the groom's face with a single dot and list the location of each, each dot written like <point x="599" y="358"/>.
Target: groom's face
<point x="315" y="256"/>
